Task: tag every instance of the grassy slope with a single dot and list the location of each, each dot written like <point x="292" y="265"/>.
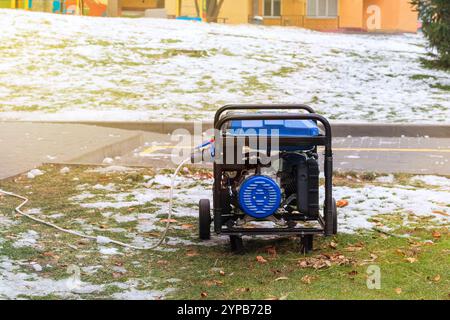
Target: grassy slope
<point x="214" y="271"/>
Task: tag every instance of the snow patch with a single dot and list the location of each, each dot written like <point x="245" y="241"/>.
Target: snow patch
<point x="432" y="180"/>
<point x="34" y="173"/>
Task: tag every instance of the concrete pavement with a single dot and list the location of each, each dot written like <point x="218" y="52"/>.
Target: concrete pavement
<point x="24" y="146"/>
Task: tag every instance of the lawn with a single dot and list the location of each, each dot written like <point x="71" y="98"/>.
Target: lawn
<point x="58" y="67"/>
<point x="406" y="236"/>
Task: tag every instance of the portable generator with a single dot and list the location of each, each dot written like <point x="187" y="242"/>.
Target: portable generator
<point x="266" y="168"/>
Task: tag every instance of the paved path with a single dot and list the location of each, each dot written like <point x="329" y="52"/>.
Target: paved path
<point x="24" y="146"/>
<point x="376" y="154"/>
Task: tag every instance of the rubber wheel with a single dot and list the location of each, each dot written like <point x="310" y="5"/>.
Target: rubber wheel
<point x="306" y="244"/>
<point x="335" y="219"/>
<point x="237" y="245"/>
<point x="204" y="220"/>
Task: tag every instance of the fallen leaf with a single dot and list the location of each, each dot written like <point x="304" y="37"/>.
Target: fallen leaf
<point x="243" y="289"/>
<point x="168" y="220"/>
<point x="356" y="247"/>
<point x="353" y="273"/>
<point x="204" y="294"/>
<point x="333" y="245"/>
<point x="398" y="290"/>
<point x="222" y="273"/>
<point x="272" y="251"/>
<point x="116" y="275"/>
<point x="192" y="253"/>
<point x="281" y="278"/>
<point x="163" y="262"/>
<point x="437" y="278"/>
<point x="436" y="234"/>
<point x="211" y="283"/>
<point x="187" y="226"/>
<point x="260" y="259"/>
<point x="442" y="213"/>
<point x="341" y="203"/>
<point x="411" y="259"/>
<point x="307" y="279"/>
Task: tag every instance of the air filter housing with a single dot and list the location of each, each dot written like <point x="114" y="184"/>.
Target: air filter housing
<point x="259" y="196"/>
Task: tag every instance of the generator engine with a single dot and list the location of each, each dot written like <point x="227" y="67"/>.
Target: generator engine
<point x="289" y="185"/>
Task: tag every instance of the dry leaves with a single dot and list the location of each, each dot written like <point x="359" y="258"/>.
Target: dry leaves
<point x="333" y="245"/>
<point x="204" y="294"/>
<point x="308" y="279"/>
<point x="168" y="220"/>
<point x="241" y="290"/>
<point x="436" y="234"/>
<point x="324" y="261"/>
<point x="214" y="282"/>
<point x="441" y="212"/>
<point x="357" y="247"/>
<point x="341" y="203"/>
<point x="271" y="251"/>
<point x="191" y="253"/>
<point x="398" y="290"/>
<point x="436" y="278"/>
<point x="411" y="259"/>
<point x="260" y="259"/>
<point x="187" y="226"/>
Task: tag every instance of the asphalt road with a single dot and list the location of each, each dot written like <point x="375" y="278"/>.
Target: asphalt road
<point x="420" y="155"/>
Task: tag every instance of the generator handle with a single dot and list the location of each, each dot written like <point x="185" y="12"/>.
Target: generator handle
<point x="261" y="107"/>
<point x="288" y="116"/>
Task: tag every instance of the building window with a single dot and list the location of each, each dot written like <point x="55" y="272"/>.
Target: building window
<point x="272" y="8"/>
<point x="322" y="8"/>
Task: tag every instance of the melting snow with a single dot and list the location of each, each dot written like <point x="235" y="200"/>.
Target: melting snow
<point x="27" y="239"/>
<point x="34" y="173"/>
<point x="125" y="69"/>
<point x="433" y="180"/>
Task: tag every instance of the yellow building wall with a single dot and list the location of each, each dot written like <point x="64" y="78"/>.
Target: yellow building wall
<point x="139" y="4"/>
<point x="396" y="15"/>
<point x="389" y="18"/>
<point x="171" y="7"/>
<point x="351" y="14"/>
<point x="235" y="11"/>
<point x="408" y="17"/>
<point x="321" y="24"/>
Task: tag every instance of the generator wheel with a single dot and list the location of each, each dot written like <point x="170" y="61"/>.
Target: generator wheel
<point x="335" y="219"/>
<point x="306" y="244"/>
<point x="237" y="245"/>
<point x="204" y="219"/>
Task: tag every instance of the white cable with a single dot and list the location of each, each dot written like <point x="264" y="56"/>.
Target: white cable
<point x="101" y="239"/>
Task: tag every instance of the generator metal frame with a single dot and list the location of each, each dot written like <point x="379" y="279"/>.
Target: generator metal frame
<point x="224" y="217"/>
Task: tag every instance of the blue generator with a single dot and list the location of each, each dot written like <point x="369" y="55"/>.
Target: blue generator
<point x="266" y="169"/>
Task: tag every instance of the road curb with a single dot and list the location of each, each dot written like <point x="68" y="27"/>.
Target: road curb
<point x="111" y="150"/>
<point x="339" y="129"/>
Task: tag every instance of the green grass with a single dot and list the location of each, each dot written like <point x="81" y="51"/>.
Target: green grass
<point x="444" y="87"/>
<point x="422" y="77"/>
<point x="420" y="270"/>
